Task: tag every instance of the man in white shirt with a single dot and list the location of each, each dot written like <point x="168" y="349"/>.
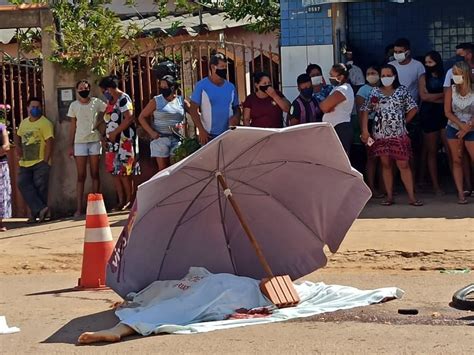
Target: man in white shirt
<point x="409" y="72"/>
<point x="409" y="69"/>
<point x="464" y="51"/>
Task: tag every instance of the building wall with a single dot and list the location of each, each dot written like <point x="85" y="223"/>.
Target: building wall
<point x="429" y="24"/>
<point x="306" y="37"/>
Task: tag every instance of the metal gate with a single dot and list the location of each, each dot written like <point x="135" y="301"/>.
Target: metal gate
<point x="21" y="78"/>
<point x="191" y="57"/>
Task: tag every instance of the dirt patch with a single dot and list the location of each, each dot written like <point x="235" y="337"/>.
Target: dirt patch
<point x="372" y="259"/>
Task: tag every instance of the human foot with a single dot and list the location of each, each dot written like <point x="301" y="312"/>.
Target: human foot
<point x="95" y="337"/>
<point x="3" y="229"/>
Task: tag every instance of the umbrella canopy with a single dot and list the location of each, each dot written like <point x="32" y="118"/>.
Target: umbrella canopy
<point x="295" y="187"/>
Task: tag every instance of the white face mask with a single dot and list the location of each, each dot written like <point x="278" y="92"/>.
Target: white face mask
<point x="317" y="80"/>
<point x="400" y="57"/>
<point x="388" y="80"/>
<point x="458" y="79"/>
<point x="373" y="79"/>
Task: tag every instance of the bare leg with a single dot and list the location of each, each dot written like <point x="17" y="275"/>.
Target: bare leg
<point x="94" y="161"/>
<point x="120" y="192"/>
<point x="162" y="163"/>
<point x="126" y="182"/>
<point x="456" y="150"/>
<point x="387" y="173"/>
<point x="407" y="179"/>
<point x="108" y="335"/>
<point x="81" y="165"/>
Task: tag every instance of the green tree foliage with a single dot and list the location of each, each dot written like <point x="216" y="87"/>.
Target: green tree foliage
<point x="264" y="14"/>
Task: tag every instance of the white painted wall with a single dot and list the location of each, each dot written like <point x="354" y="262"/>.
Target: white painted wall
<point x="295" y="59"/>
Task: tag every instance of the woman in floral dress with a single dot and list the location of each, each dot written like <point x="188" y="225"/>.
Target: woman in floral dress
<point x="394" y="107"/>
<point x="121" y="140"/>
<point x="5" y="187"/>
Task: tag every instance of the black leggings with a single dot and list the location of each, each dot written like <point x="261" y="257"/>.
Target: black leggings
<point x="345" y="133"/>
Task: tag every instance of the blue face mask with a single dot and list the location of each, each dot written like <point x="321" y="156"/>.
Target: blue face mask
<point x="108" y="96"/>
<point x="459" y="58"/>
<point x="36" y="111"/>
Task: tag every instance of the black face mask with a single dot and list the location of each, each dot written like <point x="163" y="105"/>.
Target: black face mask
<point x="166" y="92"/>
<point x="222" y="73"/>
<point x="430" y="69"/>
<point x="264" y="88"/>
<point x="307" y="93"/>
<point x="84" y="93"/>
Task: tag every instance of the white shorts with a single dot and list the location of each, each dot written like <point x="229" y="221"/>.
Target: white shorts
<point x="86" y="149"/>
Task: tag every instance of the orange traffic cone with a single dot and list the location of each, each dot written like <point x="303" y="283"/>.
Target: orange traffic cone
<point x="98" y="244"/>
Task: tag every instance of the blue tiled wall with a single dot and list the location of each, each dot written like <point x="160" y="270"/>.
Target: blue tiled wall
<point x="429" y="25"/>
<point x="300" y="27"/>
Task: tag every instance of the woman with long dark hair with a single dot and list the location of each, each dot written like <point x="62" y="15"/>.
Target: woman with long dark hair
<point x="265" y="107"/>
<point x="394" y="107"/>
<point x="433" y="120"/>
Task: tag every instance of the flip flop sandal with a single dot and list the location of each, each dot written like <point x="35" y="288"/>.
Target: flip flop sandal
<point x="467" y="193"/>
<point x="416" y="203"/>
<point x="462" y="202"/>
<point x="387" y="203"/>
<point x="378" y="196"/>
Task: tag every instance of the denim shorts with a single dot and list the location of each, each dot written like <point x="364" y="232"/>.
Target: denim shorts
<point x="451" y="134"/>
<point x="86" y="149"/>
<point x="163" y="147"/>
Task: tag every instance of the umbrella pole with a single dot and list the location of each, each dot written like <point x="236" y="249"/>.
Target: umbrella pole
<point x="244" y="225"/>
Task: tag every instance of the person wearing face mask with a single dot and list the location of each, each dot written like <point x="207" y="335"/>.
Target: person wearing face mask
<point x="393" y="107"/>
<point x="356" y="75"/>
<point x="373" y="80"/>
<point x="265" y="107"/>
<point x="321" y="90"/>
<point x="215" y="101"/>
<point x="464" y="53"/>
<point x="121" y="146"/>
<point x="305" y="107"/>
<point x="409" y="70"/>
<point x="459" y="108"/>
<point x="433" y="120"/>
<point x="339" y="105"/>
<point x="34" y="145"/>
<point x="166" y="110"/>
<point x="85" y="115"/>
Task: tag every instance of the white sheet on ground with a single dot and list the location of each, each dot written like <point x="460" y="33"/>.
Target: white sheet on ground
<point x="201" y="301"/>
<point x="5" y="329"/>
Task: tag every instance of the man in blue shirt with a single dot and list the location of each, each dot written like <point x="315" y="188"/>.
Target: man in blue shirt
<point x="215" y="101"/>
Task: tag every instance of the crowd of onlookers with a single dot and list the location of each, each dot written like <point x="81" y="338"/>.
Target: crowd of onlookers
<point x="402" y="111"/>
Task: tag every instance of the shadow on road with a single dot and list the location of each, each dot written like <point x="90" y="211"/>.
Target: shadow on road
<point x="69" y="332"/>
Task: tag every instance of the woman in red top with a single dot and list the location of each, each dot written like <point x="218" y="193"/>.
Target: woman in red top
<point x="265" y="107"/>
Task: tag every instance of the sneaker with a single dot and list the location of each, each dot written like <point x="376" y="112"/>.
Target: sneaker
<point x="42" y="214"/>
